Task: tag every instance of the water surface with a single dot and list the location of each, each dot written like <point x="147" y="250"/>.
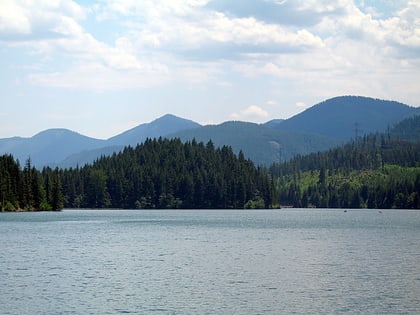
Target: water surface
<point x="210" y="262"/>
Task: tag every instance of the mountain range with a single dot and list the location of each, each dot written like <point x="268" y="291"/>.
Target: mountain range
<point x="318" y="128"/>
<point x="346" y="117"/>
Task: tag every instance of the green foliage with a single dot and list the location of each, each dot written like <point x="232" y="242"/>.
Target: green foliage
<point x="27" y="188"/>
<point x="163" y="174"/>
<point x="256" y="203"/>
<point x="9" y="206"/>
<point x="408" y="129"/>
<point x="392" y="187"/>
<point x="261" y="144"/>
<point x="45" y="206"/>
<point x="57" y="200"/>
<point x="373" y="172"/>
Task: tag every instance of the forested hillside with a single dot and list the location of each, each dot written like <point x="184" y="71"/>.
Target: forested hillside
<point x="27" y="188"/>
<point x="169" y="174"/>
<point x="408" y="129"/>
<point x="373" y="172"/>
<point x="63" y="148"/>
<point x="321" y="127"/>
<point x="347" y="117"/>
<point x="160" y="127"/>
<point x="261" y="144"/>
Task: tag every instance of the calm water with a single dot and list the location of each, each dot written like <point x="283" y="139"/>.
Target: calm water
<point x="210" y="262"/>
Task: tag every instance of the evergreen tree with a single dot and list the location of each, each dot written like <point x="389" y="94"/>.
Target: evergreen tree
<point x="27" y="193"/>
<point x="27" y="188"/>
<point x="375" y="172"/>
<point x="165" y="173"/>
<point x="56" y="191"/>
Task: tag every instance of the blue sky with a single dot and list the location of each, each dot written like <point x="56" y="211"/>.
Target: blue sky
<point x="102" y="67"/>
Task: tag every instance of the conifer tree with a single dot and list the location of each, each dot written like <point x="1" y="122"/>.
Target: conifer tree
<point x="57" y="201"/>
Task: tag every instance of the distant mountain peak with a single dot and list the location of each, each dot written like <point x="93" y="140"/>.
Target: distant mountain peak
<point x="319" y="127"/>
<point x="344" y="117"/>
<point x="171" y="118"/>
<point x="48" y="147"/>
<point x="357" y="100"/>
<point x="55" y="131"/>
<point x="159" y="127"/>
<point x="57" y="134"/>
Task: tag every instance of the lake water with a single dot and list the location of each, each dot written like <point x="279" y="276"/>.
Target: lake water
<point x="210" y="262"/>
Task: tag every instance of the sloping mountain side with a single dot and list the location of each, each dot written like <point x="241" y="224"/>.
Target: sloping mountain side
<point x="408" y="129"/>
<point x="347" y="117"/>
<point x="160" y="127"/>
<point x="260" y="144"/>
<point x="48" y="147"/>
<point x="89" y="156"/>
<point x="373" y="172"/>
<point x="63" y="147"/>
<point x="273" y="123"/>
<point x="319" y="128"/>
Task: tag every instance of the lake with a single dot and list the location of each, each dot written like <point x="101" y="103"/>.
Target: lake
<point x="291" y="261"/>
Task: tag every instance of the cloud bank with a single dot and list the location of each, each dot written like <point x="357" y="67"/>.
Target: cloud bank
<point x="302" y="47"/>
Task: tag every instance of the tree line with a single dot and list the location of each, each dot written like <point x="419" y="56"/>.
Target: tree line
<point x="27" y="188"/>
<point x="166" y="173"/>
<point x="374" y="171"/>
<point x="158" y="173"/>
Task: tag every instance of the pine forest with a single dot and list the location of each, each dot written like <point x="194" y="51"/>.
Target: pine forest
<point x="374" y="171"/>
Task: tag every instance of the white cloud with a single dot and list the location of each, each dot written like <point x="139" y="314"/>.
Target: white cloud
<point x="97" y="77"/>
<point x="397" y="33"/>
<point x="186" y="28"/>
<point x="252" y="112"/>
<point x="51" y="30"/>
<point x="323" y="48"/>
<point x="207" y="122"/>
<point x="36" y="20"/>
<point x="170" y="30"/>
<point x="361" y="54"/>
<point x="258" y="68"/>
<point x="13" y="19"/>
<point x="300" y="104"/>
<point x="297" y="13"/>
<point x="148" y="9"/>
<point x="405" y="28"/>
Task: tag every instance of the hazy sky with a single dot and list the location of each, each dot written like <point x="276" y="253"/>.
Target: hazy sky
<point x="101" y="67"/>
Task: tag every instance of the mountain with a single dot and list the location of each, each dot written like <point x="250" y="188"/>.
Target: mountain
<point x="273" y="123"/>
<point x="48" y="147"/>
<point x="67" y="148"/>
<point x="346" y="117"/>
<point x="318" y="128"/>
<point x="158" y="128"/>
<point x="88" y="156"/>
<point x="260" y="144"/>
<point x="407" y="129"/>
